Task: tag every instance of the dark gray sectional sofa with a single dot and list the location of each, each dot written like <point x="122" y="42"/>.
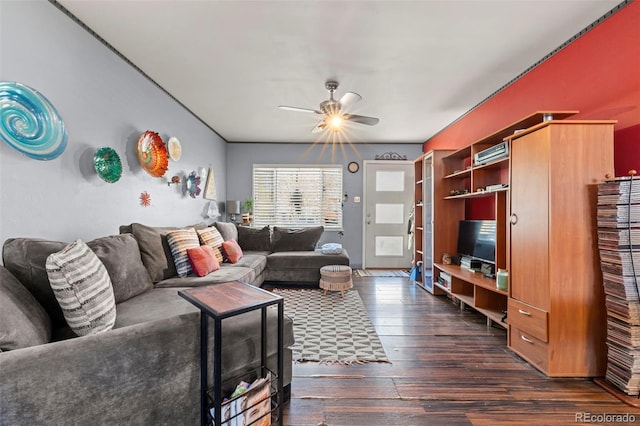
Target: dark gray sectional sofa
<point x="146" y="369"/>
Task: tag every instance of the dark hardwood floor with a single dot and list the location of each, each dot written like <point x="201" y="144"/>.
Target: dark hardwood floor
<point x="447" y="367"/>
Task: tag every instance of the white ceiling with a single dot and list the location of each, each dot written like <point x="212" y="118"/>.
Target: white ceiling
<point x="418" y="65"/>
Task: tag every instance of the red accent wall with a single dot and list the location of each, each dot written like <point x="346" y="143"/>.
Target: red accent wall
<point x="598" y="74"/>
<point x="627" y="149"/>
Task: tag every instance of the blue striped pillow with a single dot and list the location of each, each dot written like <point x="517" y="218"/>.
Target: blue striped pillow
<point x="82" y="287"/>
<point x="179" y="241"/>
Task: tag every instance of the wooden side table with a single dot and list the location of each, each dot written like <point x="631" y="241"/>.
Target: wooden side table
<point x="222" y="301"/>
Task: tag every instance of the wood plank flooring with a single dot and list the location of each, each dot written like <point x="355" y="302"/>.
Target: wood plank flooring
<point x="447" y="367"/>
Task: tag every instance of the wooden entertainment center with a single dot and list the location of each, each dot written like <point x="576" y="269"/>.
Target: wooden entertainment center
<point x="542" y="192"/>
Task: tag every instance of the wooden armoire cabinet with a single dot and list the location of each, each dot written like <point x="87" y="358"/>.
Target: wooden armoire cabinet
<point x="556" y="311"/>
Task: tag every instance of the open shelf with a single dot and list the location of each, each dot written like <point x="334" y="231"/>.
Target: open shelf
<point x="477" y="194"/>
<point x="476" y="291"/>
<point x="459" y="174"/>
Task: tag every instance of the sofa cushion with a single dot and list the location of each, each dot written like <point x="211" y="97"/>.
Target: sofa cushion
<point x="253" y="239"/>
<point x="285" y="239"/>
<point x="25" y="258"/>
<point x="120" y="254"/>
<point x="203" y="260"/>
<point x="305" y="260"/>
<point x="212" y="237"/>
<point x="227" y="272"/>
<point x="254" y="260"/>
<point x="232" y="251"/>
<point x="229" y="231"/>
<point x="155" y="251"/>
<point x="82" y="286"/>
<point x="301" y="266"/>
<point x="154" y="248"/>
<point x="180" y="240"/>
<point x="23" y="321"/>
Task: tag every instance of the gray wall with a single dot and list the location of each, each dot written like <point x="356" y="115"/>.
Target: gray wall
<point x="103" y="102"/>
<point x="242" y="156"/>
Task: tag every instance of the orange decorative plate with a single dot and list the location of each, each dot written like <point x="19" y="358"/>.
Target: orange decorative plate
<point x="152" y="154"/>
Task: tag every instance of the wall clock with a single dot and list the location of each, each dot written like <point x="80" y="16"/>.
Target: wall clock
<point x="353" y="167"/>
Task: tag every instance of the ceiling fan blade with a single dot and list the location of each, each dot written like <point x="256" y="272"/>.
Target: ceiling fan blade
<point x="291" y="108"/>
<point x="322" y="124"/>
<point x="369" y="121"/>
<point x="349" y="99"/>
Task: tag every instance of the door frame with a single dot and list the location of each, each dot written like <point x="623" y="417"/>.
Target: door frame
<point x="366" y="163"/>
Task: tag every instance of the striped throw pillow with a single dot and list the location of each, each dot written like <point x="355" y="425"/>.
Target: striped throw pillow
<point x="212" y="237"/>
<point x="82" y="286"/>
<point x="179" y="241"/>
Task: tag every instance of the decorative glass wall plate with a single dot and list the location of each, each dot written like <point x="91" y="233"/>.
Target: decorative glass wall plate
<point x="29" y="123"/>
<point x="175" y="149"/>
<point x="152" y="154"/>
<point x="107" y="164"/>
<point x="193" y="185"/>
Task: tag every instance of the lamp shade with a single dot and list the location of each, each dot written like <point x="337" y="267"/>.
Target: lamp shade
<point x="233" y="207"/>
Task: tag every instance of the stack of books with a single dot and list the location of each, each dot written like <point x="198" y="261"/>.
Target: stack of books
<point x="618" y="221"/>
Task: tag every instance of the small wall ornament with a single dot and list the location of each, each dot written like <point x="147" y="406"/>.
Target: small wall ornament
<point x="193" y="184"/>
<point x="145" y="199"/>
<point x="391" y="156"/>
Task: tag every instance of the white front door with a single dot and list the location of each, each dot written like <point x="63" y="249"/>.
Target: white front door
<point x="388" y="198"/>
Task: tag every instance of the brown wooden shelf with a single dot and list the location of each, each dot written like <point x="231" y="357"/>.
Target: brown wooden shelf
<point x="437" y="284"/>
<point x="498" y="164"/>
<point x="474" y="278"/>
<point x="477" y="194"/>
<point x="533" y="119"/>
<point x="460" y="174"/>
<point x="491" y="314"/>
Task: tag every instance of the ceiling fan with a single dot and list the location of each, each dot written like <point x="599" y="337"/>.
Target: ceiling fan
<point x="334" y="111"/>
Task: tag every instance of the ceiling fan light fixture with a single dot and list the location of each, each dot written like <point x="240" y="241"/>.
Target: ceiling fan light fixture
<point x="332" y="110"/>
<point x="336" y="122"/>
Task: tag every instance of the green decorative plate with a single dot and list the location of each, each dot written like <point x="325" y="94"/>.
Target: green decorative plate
<point x="107" y="164"/>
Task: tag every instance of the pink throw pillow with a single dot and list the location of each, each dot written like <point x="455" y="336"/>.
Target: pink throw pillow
<point x="203" y="260"/>
<point x="232" y="250"/>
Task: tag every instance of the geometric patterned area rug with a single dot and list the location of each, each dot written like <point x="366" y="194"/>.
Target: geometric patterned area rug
<point x="380" y="273"/>
<point x="331" y="329"/>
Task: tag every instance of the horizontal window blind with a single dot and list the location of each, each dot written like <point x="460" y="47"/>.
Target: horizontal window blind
<point x="297" y="196"/>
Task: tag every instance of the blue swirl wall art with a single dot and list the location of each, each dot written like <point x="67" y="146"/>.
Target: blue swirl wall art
<point x="29" y="123"/>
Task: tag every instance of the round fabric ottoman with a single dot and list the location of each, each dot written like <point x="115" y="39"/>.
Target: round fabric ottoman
<point x="335" y="278"/>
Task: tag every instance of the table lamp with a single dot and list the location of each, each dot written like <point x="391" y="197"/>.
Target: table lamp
<point x="233" y="209"/>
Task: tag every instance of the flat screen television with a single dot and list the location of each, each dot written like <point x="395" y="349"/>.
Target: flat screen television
<point x="477" y="238"/>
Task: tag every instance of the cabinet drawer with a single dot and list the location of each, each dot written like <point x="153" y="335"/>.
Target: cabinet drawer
<point x="530" y="348"/>
<point x="529" y="319"/>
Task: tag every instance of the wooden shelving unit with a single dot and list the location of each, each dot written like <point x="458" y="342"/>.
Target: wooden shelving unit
<point x="460" y="174"/>
<point x="556" y="307"/>
<point x="543" y="203"/>
<point x="433" y="241"/>
<point x="418" y="217"/>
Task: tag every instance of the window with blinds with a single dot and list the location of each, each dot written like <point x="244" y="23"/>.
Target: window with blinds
<point x="297" y="196"/>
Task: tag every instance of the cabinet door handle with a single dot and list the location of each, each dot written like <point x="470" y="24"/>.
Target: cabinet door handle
<point x="520" y="311"/>
<point x="513" y="218"/>
<point x="526" y="340"/>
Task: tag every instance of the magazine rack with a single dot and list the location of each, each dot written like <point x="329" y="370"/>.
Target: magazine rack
<point x="222" y="301"/>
